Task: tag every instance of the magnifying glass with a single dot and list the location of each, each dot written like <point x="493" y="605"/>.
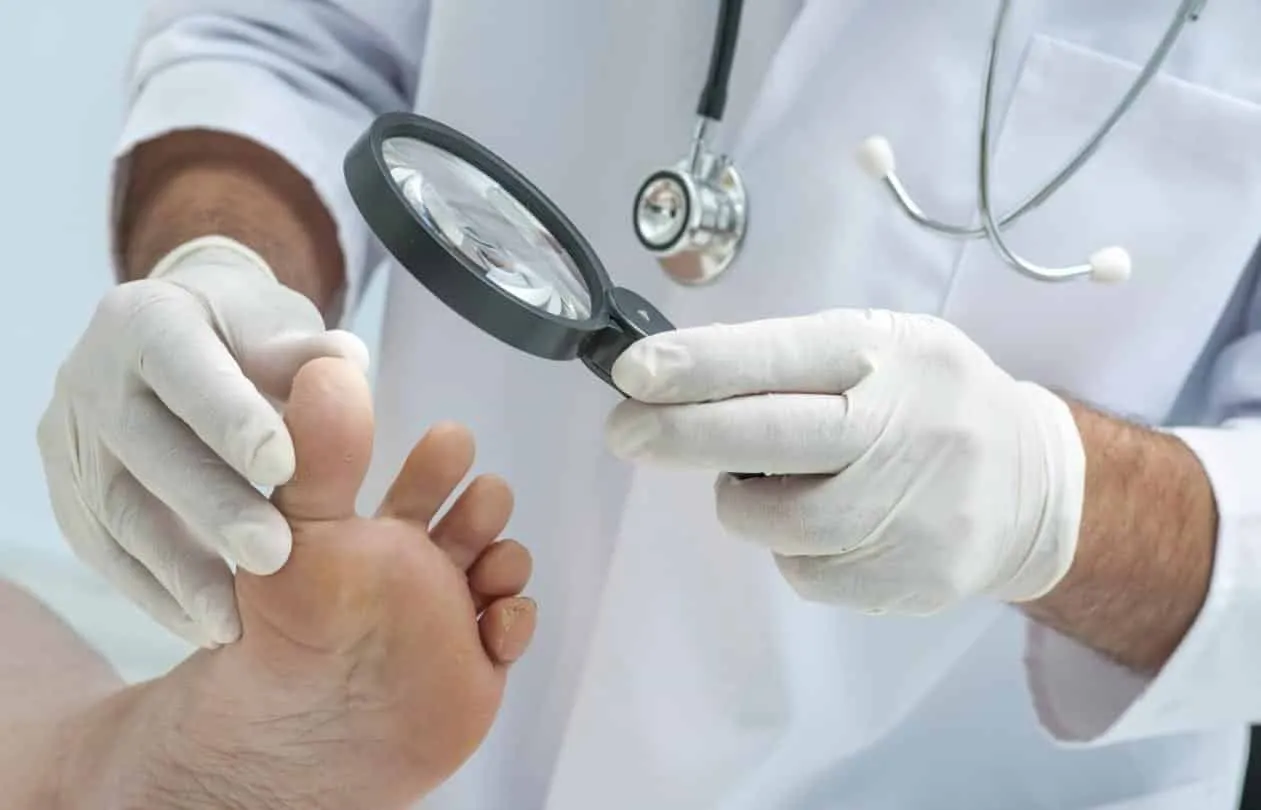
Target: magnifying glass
<point x="490" y="245"/>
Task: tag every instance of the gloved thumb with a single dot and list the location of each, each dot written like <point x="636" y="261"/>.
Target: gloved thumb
<point x="273" y="364"/>
<point x="329" y="416"/>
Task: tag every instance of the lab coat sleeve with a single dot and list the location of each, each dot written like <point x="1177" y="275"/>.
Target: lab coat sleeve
<point x="1213" y="678"/>
<point x="301" y="77"/>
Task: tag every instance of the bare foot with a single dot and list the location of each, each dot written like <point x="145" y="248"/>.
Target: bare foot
<point x="373" y="664"/>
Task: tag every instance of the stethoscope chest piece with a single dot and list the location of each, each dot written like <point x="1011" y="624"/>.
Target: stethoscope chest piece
<point x="692" y="217"/>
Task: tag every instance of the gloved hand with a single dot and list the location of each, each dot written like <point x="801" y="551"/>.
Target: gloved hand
<point x="163" y="426"/>
<point x="909" y="471"/>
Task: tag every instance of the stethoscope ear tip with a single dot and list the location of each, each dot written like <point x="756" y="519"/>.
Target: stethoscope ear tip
<point x="875" y="156"/>
<point x="1110" y="266"/>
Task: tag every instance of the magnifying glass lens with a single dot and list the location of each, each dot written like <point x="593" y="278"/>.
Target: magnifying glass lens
<point x="472" y="214"/>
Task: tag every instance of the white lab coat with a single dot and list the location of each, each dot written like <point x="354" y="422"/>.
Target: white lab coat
<point x="673" y="668"/>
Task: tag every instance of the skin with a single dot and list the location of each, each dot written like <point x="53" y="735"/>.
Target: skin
<point x="1149" y="527"/>
<point x="1145" y="551"/>
<point x="370" y="667"/>
<point x="198" y="183"/>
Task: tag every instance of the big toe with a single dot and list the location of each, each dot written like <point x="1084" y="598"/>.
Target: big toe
<point x="329" y="416"/>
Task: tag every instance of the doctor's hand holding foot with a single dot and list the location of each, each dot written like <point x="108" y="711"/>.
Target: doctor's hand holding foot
<point x="163" y="419"/>
<point x="908" y="472"/>
<point x="370" y="667"/>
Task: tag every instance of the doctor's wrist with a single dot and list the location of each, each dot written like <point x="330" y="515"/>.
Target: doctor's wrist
<point x="193" y="184"/>
<point x="1145" y="549"/>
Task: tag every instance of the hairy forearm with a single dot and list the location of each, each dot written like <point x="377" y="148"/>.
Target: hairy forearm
<point x="1145" y="550"/>
<point x="198" y="183"/>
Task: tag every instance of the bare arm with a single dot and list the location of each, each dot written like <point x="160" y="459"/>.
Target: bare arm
<point x="239" y="115"/>
<point x="195" y="183"/>
<point x="1145" y="553"/>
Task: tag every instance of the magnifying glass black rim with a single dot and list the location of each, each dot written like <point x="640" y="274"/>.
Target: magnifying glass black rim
<point x="449" y="274"/>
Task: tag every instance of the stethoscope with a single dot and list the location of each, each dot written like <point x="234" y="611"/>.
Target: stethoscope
<point x="693" y="216"/>
<point x="496" y="250"/>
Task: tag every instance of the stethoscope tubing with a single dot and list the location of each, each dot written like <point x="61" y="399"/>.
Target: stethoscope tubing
<point x="1108" y="264"/>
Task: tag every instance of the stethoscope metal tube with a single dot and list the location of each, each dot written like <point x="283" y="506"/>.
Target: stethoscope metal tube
<point x="1107" y="265"/>
<point x="693" y="216"/>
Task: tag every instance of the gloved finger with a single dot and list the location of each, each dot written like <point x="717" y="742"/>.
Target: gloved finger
<point x="771" y="433"/>
<point x="795" y="515"/>
<point x="825" y="353"/>
<point x="273" y="363"/>
<point x="193" y="372"/>
<point x="138" y="585"/>
<point x="95" y="546"/>
<point x="862" y="582"/>
<point x="199" y="580"/>
<point x="217" y="504"/>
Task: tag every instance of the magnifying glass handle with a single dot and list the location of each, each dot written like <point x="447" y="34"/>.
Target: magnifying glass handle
<point x="631" y="319"/>
<point x="634" y="318"/>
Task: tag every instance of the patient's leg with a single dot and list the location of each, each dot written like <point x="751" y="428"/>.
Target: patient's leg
<point x="47" y="674"/>
<point x="369" y="669"/>
<point x="43" y="662"/>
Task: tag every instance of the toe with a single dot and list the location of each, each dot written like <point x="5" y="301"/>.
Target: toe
<point x="475" y="520"/>
<point x="503" y="570"/>
<point x="329" y="417"/>
<point x="507" y="627"/>
<point x="432" y="471"/>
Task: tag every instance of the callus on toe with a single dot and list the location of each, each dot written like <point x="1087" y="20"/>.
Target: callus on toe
<point x="507" y="627"/>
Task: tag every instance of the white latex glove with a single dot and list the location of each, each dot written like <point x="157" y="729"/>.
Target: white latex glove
<point x="910" y="472"/>
<point x="162" y="418"/>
